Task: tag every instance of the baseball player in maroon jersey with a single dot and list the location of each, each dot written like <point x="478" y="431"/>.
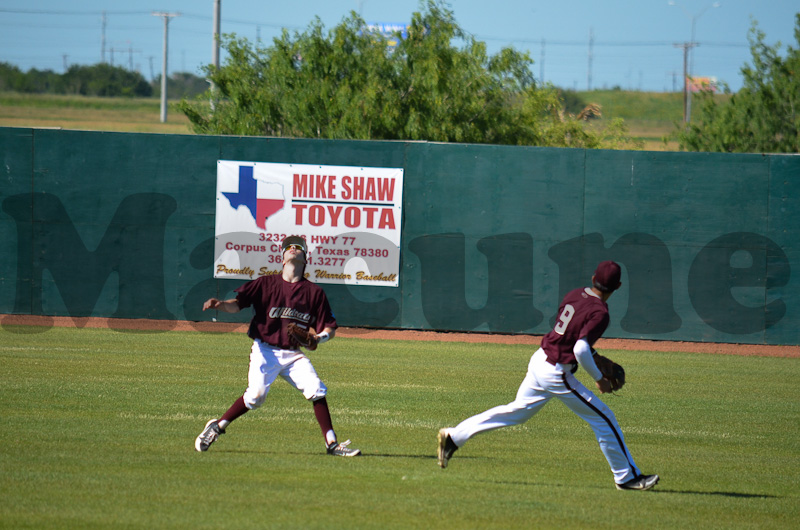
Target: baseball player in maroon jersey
<point x="582" y="319"/>
<point x="278" y="300"/>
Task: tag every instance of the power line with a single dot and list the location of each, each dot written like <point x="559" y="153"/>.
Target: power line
<point x="582" y="43"/>
<point x="185" y="15"/>
<point x="78" y="13"/>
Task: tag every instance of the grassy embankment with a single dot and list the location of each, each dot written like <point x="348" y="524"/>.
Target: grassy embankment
<point x="89" y="113"/>
<point x="649" y="115"/>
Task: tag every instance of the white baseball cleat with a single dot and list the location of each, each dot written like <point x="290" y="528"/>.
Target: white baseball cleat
<point x="446" y="447"/>
<point x="640" y="483"/>
<point x="341" y="449"/>
<point x="209" y="435"/>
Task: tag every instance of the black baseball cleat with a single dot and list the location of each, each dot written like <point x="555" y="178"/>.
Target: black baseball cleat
<point x="446" y="447"/>
<point x="640" y="483"/>
<point x="341" y="449"/>
<point x="209" y="435"/>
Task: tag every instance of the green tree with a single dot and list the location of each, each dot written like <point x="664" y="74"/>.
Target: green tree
<point x="180" y="85"/>
<point x="105" y="80"/>
<point x="11" y="77"/>
<point x="96" y="80"/>
<point x="32" y="82"/>
<point x="352" y="84"/>
<point x="764" y="116"/>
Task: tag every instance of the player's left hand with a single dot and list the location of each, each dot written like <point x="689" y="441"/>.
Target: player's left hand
<point x="304" y="337"/>
<point x="613" y="373"/>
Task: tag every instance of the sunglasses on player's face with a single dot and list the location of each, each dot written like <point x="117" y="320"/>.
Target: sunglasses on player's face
<point x="296" y="247"/>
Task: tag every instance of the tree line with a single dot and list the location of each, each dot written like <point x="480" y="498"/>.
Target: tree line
<point x="99" y="80"/>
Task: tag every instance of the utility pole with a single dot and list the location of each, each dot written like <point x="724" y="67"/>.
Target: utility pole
<point x="103" y="39"/>
<point x="688" y="71"/>
<point x="215" y="47"/>
<point x="589" y="71"/>
<point x="166" y="17"/>
<point x="670" y="76"/>
<point x="541" y="65"/>
<point x="686" y="104"/>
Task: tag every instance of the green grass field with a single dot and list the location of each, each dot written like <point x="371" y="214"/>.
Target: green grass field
<point x="90" y="113"/>
<point x="99" y="427"/>
<point x="649" y="116"/>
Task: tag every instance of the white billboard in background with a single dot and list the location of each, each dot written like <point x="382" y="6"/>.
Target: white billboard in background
<point x="349" y="216"/>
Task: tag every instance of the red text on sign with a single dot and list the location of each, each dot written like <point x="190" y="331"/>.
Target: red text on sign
<point x="350" y="216"/>
<point x="353" y="188"/>
<point x="314" y="186"/>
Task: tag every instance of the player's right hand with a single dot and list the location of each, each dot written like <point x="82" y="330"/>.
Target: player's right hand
<point x="603" y="385"/>
<point x="211" y="303"/>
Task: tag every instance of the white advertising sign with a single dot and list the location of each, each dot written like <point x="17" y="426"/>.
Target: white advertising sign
<point x="349" y="216"/>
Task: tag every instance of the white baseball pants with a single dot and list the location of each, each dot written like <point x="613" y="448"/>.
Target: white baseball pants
<point x="543" y="382"/>
<point x="268" y="362"/>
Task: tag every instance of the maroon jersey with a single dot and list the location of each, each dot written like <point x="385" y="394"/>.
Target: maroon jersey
<point x="582" y="315"/>
<point x="277" y="302"/>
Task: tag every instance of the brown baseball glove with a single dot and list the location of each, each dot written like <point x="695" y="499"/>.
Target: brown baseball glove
<point x="611" y="371"/>
<point x="304" y="337"/>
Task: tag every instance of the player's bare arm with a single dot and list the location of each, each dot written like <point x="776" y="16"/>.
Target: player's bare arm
<point x="226" y="306"/>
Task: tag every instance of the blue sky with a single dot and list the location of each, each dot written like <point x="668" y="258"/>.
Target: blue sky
<point x="633" y="41"/>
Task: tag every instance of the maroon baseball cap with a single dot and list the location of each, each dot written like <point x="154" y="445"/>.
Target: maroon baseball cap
<point x="606" y="276"/>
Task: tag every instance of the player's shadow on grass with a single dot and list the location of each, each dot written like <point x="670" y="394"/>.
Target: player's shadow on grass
<point x="653" y="491"/>
<point x="390" y="455"/>
<point x="734" y="494"/>
<point x="306" y="453"/>
<point x="423" y="457"/>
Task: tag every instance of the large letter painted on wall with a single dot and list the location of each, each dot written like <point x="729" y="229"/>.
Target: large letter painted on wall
<point x="132" y="247"/>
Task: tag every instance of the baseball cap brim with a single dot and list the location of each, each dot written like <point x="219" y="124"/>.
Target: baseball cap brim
<point x="294" y="240"/>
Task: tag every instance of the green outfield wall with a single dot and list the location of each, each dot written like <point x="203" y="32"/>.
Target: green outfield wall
<point x="121" y="225"/>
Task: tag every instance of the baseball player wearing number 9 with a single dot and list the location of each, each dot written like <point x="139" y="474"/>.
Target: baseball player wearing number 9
<point x="285" y="308"/>
<point x="583" y="318"/>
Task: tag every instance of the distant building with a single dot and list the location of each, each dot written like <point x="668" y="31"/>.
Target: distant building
<point x="698" y="84"/>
